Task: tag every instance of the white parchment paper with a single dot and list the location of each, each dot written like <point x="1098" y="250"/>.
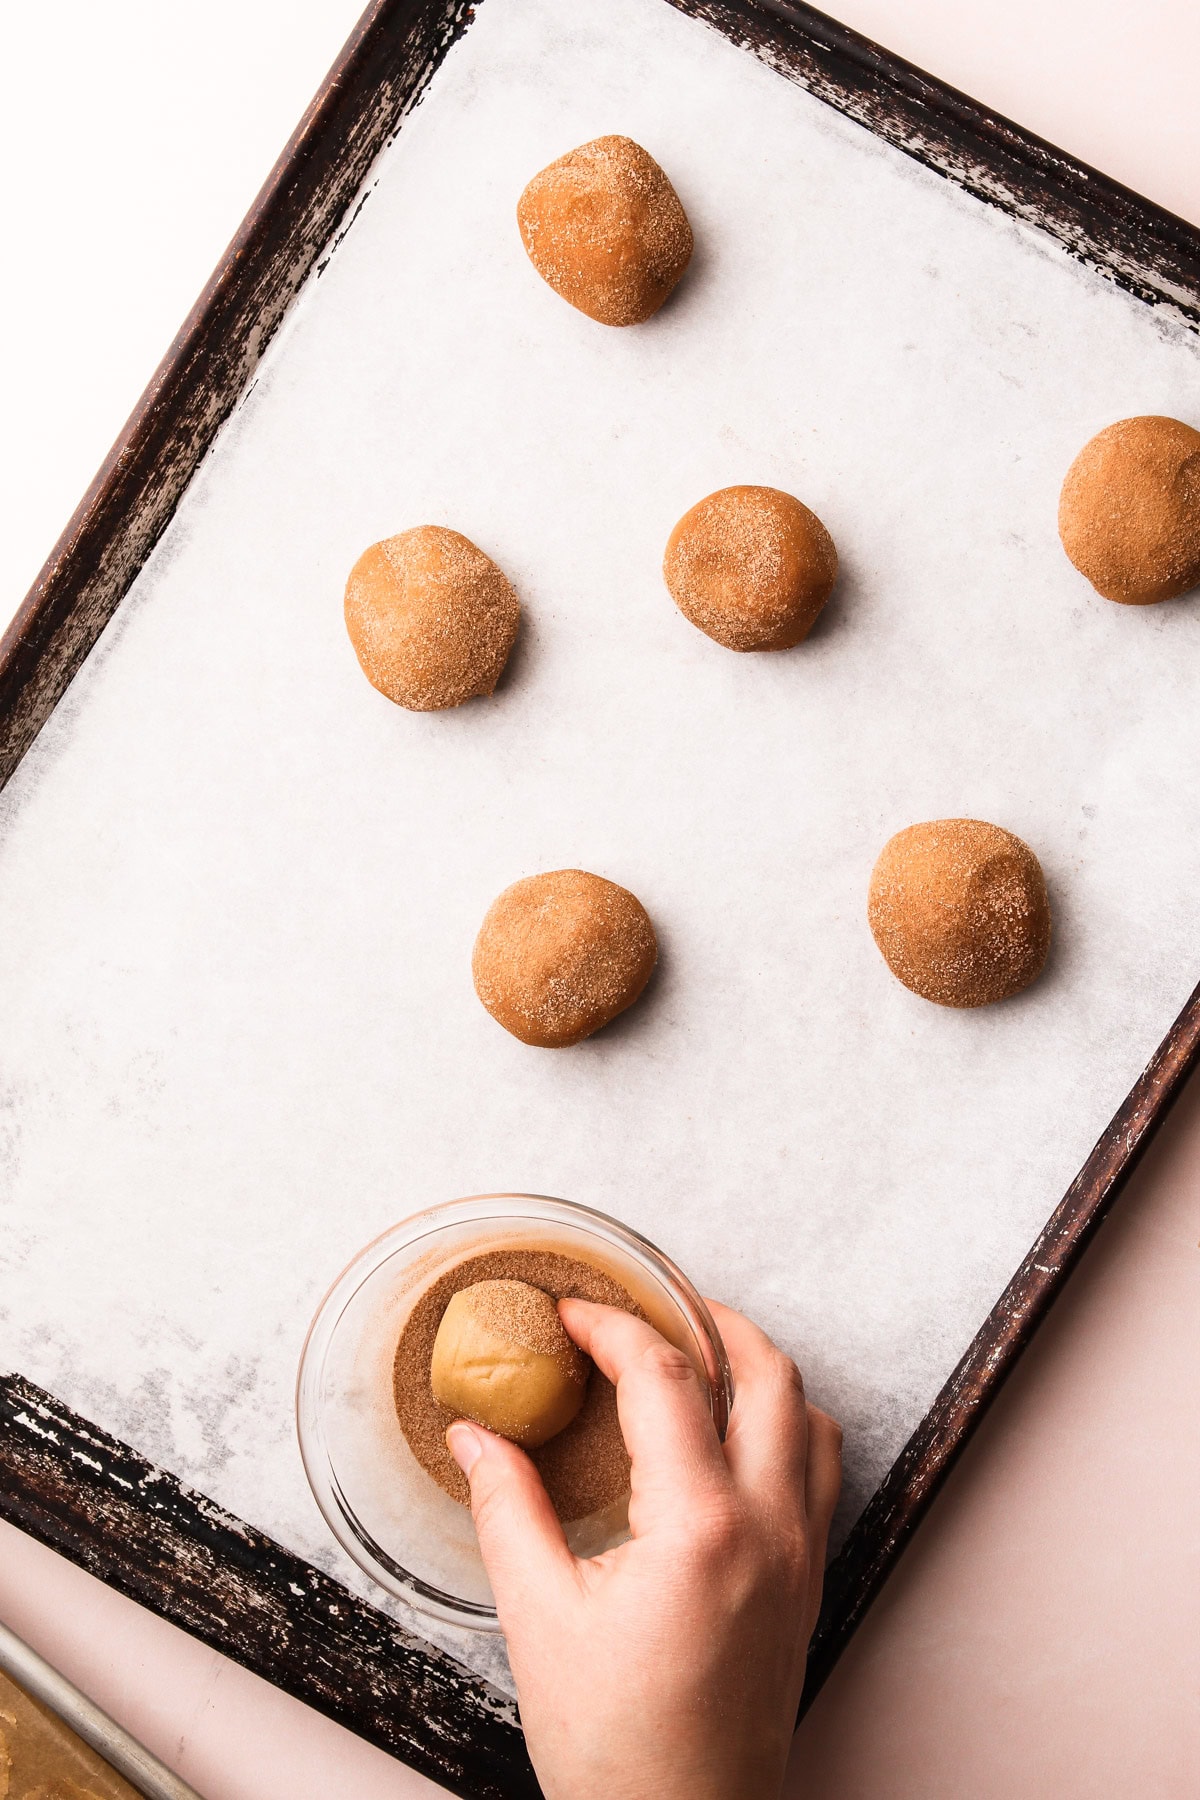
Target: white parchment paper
<point x="238" y="889"/>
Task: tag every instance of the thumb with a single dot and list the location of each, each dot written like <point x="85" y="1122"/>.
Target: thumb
<point x="521" y="1540"/>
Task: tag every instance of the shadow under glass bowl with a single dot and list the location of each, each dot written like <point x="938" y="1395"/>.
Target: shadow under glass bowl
<point x="387" y="1513"/>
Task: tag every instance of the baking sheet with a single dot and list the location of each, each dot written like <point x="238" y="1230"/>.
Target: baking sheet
<point x="238" y="889"/>
<point x="41" y="1758"/>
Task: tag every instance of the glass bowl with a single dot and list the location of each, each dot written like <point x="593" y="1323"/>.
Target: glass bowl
<point x="391" y="1517"/>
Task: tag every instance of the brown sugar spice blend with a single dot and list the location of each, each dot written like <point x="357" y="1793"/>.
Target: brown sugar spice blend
<point x="586" y="1466"/>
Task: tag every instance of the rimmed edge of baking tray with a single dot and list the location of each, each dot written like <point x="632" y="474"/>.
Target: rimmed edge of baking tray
<point x="93" y="1498"/>
<point x="1124" y="236"/>
<point x="138" y="1528"/>
<point x="307" y="202"/>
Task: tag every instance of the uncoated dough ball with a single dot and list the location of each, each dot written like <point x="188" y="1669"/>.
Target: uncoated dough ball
<point x="751" y="567"/>
<point x="1129" y="515"/>
<point x="432" y="619"/>
<point x="606" y="229"/>
<point x="959" y="909"/>
<point x="503" y="1358"/>
<point x="561" y="954"/>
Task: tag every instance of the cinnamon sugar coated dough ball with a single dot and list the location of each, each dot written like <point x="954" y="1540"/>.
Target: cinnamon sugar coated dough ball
<point x="585" y="1466"/>
<point x="751" y="567"/>
<point x="503" y="1358"/>
<point x="1129" y="515"/>
<point x="432" y="619"/>
<point x="561" y="954"/>
<point x="959" y="909"/>
<point x="606" y="229"/>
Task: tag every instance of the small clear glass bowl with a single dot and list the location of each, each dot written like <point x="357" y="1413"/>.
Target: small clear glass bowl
<point x="387" y="1513"/>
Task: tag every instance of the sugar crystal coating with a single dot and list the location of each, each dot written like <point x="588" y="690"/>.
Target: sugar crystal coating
<point x="431" y="618"/>
<point x="1129" y="513"/>
<point x="561" y="954"/>
<point x="751" y="567"/>
<point x="605" y="228"/>
<point x="959" y="911"/>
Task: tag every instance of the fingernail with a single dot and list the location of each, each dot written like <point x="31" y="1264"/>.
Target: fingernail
<point x="464" y="1446"/>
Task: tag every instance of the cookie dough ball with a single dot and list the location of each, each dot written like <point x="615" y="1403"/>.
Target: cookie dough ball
<point x="432" y="619"/>
<point x="561" y="954"/>
<point x="959" y="910"/>
<point x="606" y="229"/>
<point x="1129" y="515"/>
<point x="502" y="1358"/>
<point x="751" y="567"/>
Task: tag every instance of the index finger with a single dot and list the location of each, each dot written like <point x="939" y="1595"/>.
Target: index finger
<point x="663" y="1411"/>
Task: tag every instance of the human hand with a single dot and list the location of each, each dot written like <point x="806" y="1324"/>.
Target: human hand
<point x="671" y="1666"/>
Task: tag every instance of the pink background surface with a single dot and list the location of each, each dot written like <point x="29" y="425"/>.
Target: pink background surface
<point x="1039" y="1638"/>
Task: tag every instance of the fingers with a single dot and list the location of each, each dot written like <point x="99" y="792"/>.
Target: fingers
<point x="822" y="1484"/>
<point x="766" y="1446"/>
<point x="823" y="1476"/>
<point x="781" y="1450"/>
<point x="520" y="1538"/>
<point x="663" y="1409"/>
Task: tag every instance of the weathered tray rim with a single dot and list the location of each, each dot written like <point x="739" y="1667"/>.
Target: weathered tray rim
<point x="439" y="1717"/>
<point x="141" y="1530"/>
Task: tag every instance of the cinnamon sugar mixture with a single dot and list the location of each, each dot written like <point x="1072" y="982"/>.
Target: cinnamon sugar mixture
<point x="586" y="1466"/>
